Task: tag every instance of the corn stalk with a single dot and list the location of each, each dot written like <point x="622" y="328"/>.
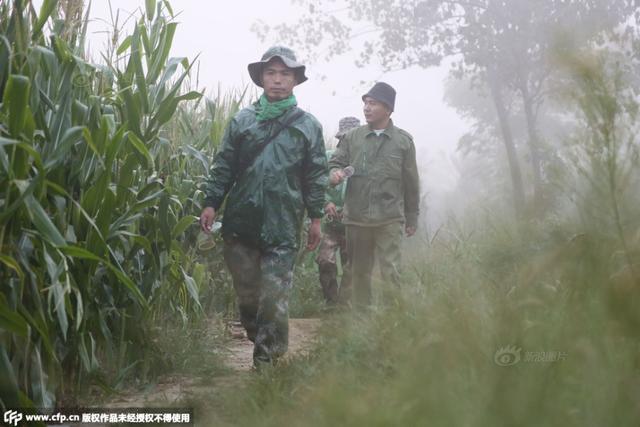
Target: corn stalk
<point x="94" y="206"/>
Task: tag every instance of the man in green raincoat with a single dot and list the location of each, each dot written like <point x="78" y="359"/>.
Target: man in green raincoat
<point x="271" y="167"/>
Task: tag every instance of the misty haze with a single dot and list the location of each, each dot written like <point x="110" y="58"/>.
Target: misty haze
<point x="320" y="212"/>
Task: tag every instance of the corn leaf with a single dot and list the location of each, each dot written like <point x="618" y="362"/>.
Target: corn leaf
<point x="182" y="225"/>
<point x="12" y="321"/>
<point x="140" y="148"/>
<point x="12" y="264"/>
<point x="47" y="8"/>
<point x="191" y="286"/>
<point x="42" y="222"/>
<point x="16" y="100"/>
<point x="81" y="253"/>
<point x="150" y="7"/>
<point x="126" y="44"/>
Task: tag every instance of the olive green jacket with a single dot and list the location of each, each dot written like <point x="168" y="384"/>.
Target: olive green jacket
<point x="385" y="187"/>
<point x="266" y="203"/>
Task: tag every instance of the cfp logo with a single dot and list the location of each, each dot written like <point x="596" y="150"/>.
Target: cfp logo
<point x="12" y="417"/>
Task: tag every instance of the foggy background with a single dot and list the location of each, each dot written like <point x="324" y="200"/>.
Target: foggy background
<point x="220" y="32"/>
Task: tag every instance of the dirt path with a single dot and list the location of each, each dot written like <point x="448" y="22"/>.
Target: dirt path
<point x="174" y="390"/>
<point x="301" y="335"/>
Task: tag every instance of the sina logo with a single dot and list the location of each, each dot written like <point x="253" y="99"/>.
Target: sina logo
<point x="507" y="356"/>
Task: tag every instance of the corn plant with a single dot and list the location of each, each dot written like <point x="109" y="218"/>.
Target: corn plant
<point x="195" y="132"/>
<point x="92" y="202"/>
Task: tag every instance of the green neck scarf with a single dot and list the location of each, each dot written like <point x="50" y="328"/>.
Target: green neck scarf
<point x="266" y="110"/>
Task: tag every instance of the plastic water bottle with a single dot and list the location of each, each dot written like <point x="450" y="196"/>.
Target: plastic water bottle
<point x="215" y="227"/>
<point x="348" y="171"/>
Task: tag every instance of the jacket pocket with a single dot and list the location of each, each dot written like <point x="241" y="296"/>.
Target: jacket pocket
<point x="392" y="167"/>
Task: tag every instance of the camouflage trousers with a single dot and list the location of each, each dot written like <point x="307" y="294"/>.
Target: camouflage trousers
<point x="262" y="281"/>
<point x="366" y="244"/>
<point x="332" y="242"/>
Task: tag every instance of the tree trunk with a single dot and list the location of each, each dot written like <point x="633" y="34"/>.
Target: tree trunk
<point x="533" y="142"/>
<point x="507" y="138"/>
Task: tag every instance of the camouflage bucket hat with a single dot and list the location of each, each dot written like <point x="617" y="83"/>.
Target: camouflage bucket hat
<point x="286" y="55"/>
<point x="345" y="124"/>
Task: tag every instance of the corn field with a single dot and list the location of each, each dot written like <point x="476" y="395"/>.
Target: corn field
<point x="99" y="166"/>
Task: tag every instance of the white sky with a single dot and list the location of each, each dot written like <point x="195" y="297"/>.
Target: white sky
<point x="220" y="33"/>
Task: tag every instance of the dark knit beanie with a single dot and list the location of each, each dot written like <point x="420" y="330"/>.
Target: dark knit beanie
<point x="384" y="93"/>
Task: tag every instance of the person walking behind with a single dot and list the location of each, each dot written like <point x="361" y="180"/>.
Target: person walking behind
<point x="333" y="232"/>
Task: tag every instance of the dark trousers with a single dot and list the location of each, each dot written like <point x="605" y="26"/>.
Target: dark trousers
<point x="333" y="241"/>
<point x="365" y="245"/>
<point x="262" y="281"/>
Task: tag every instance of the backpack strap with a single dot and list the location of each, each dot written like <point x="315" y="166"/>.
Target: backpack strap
<point x="243" y="165"/>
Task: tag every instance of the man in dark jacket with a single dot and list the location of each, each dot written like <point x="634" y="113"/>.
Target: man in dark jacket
<point x="271" y="167"/>
<point x="382" y="196"/>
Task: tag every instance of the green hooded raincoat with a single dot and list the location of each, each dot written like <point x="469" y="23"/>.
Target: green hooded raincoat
<point x="266" y="201"/>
